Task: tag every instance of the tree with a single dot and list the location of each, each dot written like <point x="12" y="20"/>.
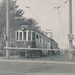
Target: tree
<point x="15" y="15"/>
<point x="16" y="19"/>
<point x="32" y="23"/>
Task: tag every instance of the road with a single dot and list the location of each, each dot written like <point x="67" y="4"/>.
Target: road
<point x="48" y="65"/>
<point x="35" y="68"/>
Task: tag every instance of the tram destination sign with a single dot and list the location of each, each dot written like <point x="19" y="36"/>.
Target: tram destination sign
<point x="70" y="36"/>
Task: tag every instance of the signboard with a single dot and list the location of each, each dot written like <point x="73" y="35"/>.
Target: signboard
<point x="49" y="33"/>
<point x="70" y="36"/>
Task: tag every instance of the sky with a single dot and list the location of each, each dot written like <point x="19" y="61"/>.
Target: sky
<point x="51" y="18"/>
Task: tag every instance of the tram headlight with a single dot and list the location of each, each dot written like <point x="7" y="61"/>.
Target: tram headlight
<point x="23" y="29"/>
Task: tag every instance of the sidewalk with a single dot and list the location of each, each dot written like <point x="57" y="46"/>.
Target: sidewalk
<point x="47" y="74"/>
<point x="36" y="61"/>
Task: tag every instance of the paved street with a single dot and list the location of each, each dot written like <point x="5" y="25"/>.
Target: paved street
<point x="35" y="68"/>
<point x="48" y="65"/>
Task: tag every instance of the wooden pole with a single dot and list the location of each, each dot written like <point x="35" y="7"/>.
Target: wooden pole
<point x="7" y="28"/>
<point x="70" y="29"/>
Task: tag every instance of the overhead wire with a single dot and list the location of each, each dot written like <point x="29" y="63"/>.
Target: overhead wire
<point x="60" y="41"/>
<point x="59" y="20"/>
<point x="40" y="21"/>
<point x="59" y="15"/>
<point x="61" y="5"/>
<point x="64" y="3"/>
<point x="36" y="17"/>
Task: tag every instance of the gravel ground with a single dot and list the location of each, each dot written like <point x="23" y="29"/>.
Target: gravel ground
<point x="60" y="57"/>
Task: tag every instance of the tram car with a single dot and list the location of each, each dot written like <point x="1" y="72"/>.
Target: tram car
<point x="30" y="38"/>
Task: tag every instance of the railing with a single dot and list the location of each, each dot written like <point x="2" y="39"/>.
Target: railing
<point x="26" y="49"/>
<point x="15" y="49"/>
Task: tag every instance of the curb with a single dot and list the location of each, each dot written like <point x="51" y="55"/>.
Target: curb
<point x="35" y="61"/>
<point x="48" y="74"/>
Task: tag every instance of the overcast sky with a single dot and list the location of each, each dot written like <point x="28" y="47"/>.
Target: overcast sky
<point x="48" y="15"/>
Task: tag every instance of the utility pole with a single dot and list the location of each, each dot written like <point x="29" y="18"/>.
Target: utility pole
<point x="70" y="31"/>
<point x="7" y="28"/>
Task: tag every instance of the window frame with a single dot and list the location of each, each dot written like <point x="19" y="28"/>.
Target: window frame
<point x="19" y="35"/>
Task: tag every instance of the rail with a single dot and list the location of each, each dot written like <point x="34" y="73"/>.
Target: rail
<point x="29" y="48"/>
<point x="19" y="48"/>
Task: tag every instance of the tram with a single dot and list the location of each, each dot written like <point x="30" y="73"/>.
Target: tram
<point x="30" y="38"/>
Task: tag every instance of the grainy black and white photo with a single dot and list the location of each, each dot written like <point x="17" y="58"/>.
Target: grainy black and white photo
<point x="37" y="37"/>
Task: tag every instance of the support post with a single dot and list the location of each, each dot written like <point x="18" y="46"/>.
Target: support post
<point x="50" y="48"/>
<point x="70" y="29"/>
<point x="50" y="53"/>
<point x="7" y="28"/>
<point x="3" y="53"/>
<point x="25" y="54"/>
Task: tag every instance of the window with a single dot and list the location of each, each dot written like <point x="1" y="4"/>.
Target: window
<point x="33" y="36"/>
<point x="37" y="36"/>
<point x="20" y="35"/>
<point x="29" y="35"/>
<point x="43" y="40"/>
<point x="24" y="35"/>
<point x="17" y="35"/>
<point x="40" y="38"/>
